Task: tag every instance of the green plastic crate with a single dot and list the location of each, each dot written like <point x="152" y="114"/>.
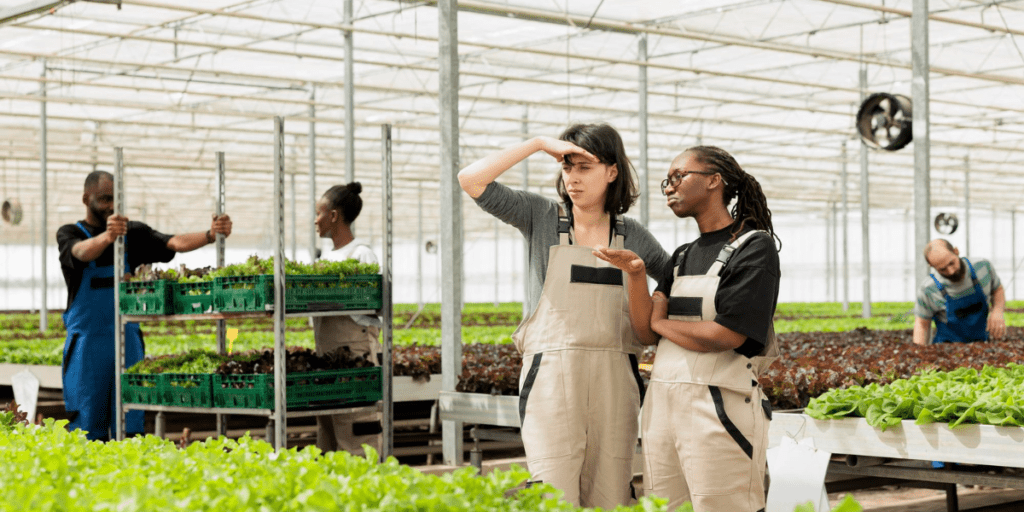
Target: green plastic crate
<point x="193" y="298"/>
<point x="302" y="293"/>
<point x="147" y="298"/>
<point x="142" y="389"/>
<point x="307" y="390"/>
<point x="187" y="389"/>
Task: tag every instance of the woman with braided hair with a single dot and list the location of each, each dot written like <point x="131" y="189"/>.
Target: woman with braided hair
<point x="705" y="420"/>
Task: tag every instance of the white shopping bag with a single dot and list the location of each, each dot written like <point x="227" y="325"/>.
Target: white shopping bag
<point x="26" y="392"/>
<point x="797" y="475"/>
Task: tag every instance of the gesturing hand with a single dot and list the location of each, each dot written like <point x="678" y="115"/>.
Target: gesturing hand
<point x="624" y="259"/>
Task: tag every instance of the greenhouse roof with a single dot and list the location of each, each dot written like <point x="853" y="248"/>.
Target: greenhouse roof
<point x="775" y="82"/>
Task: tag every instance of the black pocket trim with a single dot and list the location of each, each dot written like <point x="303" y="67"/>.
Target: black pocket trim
<point x="685" y="306"/>
<point x="524" y="395"/>
<point x="730" y="427"/>
<point x="767" y="406"/>
<point x="98" y="283"/>
<point x="596" y="275"/>
<point x="969" y="310"/>
<point x="71" y="353"/>
<point x="366" y="428"/>
<point x="635" y="366"/>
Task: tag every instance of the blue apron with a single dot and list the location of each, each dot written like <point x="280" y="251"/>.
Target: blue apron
<point x="966" y="317"/>
<point x="88" y="368"/>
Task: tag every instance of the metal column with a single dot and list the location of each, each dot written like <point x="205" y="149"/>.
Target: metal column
<point x="118" y="277"/>
<point x="43" y="322"/>
<point x="1013" y="253"/>
<point x="922" y="136"/>
<point x="419" y="246"/>
<point x="451" y="219"/>
<point x="829" y="269"/>
<point x="645" y="197"/>
<point x="220" y="203"/>
<point x="846" y="234"/>
<point x="967" y="206"/>
<point x="865" y="228"/>
<point x="995" y="233"/>
<point x="295" y="246"/>
<point x="280" y="356"/>
<point x="497" y="244"/>
<point x="835" y="252"/>
<point x="526" y="243"/>
<point x="387" y="312"/>
<point x="350" y="92"/>
<point x="312" y="174"/>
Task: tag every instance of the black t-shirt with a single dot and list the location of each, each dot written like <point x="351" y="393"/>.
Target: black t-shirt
<point x="143" y="244"/>
<point x="749" y="287"/>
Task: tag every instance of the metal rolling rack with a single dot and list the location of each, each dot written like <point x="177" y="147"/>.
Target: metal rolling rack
<point x="277" y="418"/>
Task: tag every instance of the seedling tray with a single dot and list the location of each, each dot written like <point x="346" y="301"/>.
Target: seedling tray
<point x="187" y="389"/>
<point x="302" y="293"/>
<point x="307" y="390"/>
<point x="193" y="298"/>
<point x="141" y="389"/>
<point x="147" y="298"/>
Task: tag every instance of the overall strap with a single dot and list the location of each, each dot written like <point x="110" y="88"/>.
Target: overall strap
<point x="564" y="225"/>
<point x="726" y="253"/>
<point x="680" y="259"/>
<point x="941" y="288"/>
<point x="619" y="235"/>
<point x="974" y="276"/>
<point x="86" y="231"/>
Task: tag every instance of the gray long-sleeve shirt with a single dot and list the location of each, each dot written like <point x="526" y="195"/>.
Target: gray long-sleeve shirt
<point x="536" y="217"/>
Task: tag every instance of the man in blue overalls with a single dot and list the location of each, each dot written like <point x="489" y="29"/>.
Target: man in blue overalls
<point x="959" y="299"/>
<point x="87" y="260"/>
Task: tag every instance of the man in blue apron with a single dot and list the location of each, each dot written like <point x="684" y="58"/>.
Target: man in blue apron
<point x="966" y="299"/>
<point x="87" y="260"/>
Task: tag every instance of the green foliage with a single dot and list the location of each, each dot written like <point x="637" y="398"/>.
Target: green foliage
<point x="255" y="266"/>
<point x="48" y="468"/>
<point x="962" y="396"/>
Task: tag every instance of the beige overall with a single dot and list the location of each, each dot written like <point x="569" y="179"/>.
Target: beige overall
<point x="705" y="424"/>
<point x="580" y="390"/>
<point x="348" y="432"/>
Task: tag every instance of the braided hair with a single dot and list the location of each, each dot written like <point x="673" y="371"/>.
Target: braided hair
<point x="751" y="206"/>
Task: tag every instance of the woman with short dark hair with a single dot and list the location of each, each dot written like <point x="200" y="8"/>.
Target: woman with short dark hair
<point x="580" y="390"/>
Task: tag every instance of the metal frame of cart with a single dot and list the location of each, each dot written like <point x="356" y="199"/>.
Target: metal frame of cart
<point x="277" y="426"/>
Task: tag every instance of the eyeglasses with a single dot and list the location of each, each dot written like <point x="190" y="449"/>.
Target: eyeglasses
<point x="676" y="177"/>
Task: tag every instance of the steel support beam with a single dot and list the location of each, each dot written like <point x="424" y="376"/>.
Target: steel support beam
<point x="295" y="242"/>
<point x="642" y="171"/>
<point x="312" y="175"/>
<point x="865" y="226"/>
<point x="43" y="321"/>
<point x="835" y="252"/>
<point x="967" y="206"/>
<point x="1013" y="254"/>
<point x="497" y="265"/>
<point x="451" y="219"/>
<point x="526" y="243"/>
<point x="419" y="244"/>
<point x="844" y="186"/>
<point x="921" y="132"/>
<point x="350" y="94"/>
